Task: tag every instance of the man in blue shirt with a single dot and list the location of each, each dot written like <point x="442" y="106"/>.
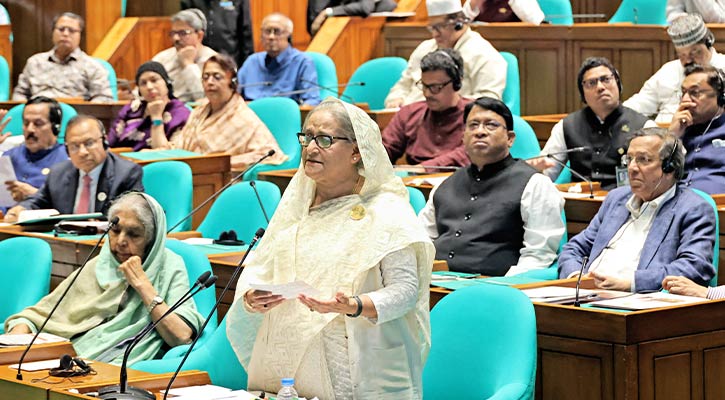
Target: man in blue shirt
<point x="33" y="159"/>
<point x="280" y="70"/>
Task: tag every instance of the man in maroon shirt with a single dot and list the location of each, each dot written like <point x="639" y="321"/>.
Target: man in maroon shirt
<point x="430" y="132"/>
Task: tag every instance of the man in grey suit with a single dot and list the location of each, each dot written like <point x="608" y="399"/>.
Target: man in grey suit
<point x="90" y="180"/>
<point x="650" y="229"/>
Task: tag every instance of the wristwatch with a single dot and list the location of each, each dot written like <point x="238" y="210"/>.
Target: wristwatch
<point x="155" y="302"/>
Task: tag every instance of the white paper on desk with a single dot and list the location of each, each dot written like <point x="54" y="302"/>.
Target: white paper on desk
<point x="287" y="290"/>
<point x="7" y="173"/>
<point x="38" y="365"/>
<point x="555" y="293"/>
<point x="434" y="180"/>
<point x="198" y="240"/>
<point x="25" y="338"/>
<point x="201" y="392"/>
<point x="647" y="301"/>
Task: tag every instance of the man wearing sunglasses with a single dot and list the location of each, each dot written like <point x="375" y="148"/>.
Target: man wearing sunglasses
<point x="498" y="216"/>
<point x="65" y="71"/>
<point x="484" y="68"/>
<point x="185" y="60"/>
<point x="602" y="127"/>
<point x="660" y="95"/>
<point x="430" y="132"/>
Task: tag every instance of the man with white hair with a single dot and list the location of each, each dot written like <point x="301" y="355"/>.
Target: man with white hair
<point x="484" y="69"/>
<point x="661" y="94"/>
<point x="279" y="70"/>
<point x="185" y="60"/>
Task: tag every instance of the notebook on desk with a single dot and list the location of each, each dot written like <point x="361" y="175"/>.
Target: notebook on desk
<point x="159" y="154"/>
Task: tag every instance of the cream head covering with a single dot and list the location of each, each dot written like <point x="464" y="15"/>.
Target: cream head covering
<point x="443" y="7"/>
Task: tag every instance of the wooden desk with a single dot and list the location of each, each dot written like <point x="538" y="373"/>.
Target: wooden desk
<point x="670" y="353"/>
<point x="542" y="125"/>
<point x="105" y="112"/>
<point x="42" y="351"/>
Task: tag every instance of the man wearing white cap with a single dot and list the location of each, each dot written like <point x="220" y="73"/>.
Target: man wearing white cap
<point x="712" y="11"/>
<point x="484" y="69"/>
<point x="661" y="94"/>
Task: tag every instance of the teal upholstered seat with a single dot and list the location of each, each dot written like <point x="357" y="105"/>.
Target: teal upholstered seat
<point x="4" y="79"/>
<point x="326" y="74"/>
<point x="417" y="199"/>
<point x="170" y="183"/>
<point x="557" y="12"/>
<point x="526" y="145"/>
<point x="282" y="117"/>
<point x="512" y="92"/>
<point x="378" y="76"/>
<point x="716" y="247"/>
<point x="641" y="12"/>
<point x="112" y="79"/>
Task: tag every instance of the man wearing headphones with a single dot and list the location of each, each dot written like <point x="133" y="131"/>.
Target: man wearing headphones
<point x="430" y="132"/>
<point x="650" y="229"/>
<point x="497" y="216"/>
<point x="185" y="60"/>
<point x="484" y="69"/>
<point x="90" y="180"/>
<point x="602" y="126"/>
<point x="660" y="95"/>
<point x="700" y="124"/>
<point x="34" y="159"/>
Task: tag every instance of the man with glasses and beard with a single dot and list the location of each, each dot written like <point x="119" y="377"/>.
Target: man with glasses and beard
<point x="430" y="132"/>
<point x="186" y="58"/>
<point x="660" y="95"/>
<point x="498" y="216"/>
<point x="484" y="69"/>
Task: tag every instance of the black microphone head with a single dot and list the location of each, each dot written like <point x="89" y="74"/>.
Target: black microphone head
<point x="362" y="83"/>
<point x="203" y="277"/>
<point x="271" y="153"/>
<point x="210" y="281"/>
<point x="252" y="183"/>
<point x="259" y="233"/>
<point x="113" y="221"/>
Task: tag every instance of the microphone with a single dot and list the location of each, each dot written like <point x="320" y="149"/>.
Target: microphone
<point x="557" y="153"/>
<point x="413" y="168"/>
<point x="585" y="259"/>
<point x="111" y="224"/>
<point x="575" y="173"/>
<point x="253" y="84"/>
<point x="215" y="194"/>
<point x="235" y="275"/>
<point x="316" y="86"/>
<point x="259" y="200"/>
<point x="122" y="391"/>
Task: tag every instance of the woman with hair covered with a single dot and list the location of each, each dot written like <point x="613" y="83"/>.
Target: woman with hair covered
<point x="344" y="226"/>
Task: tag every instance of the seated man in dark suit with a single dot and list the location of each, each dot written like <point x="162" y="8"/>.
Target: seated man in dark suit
<point x="90" y="180"/>
<point x="649" y="230"/>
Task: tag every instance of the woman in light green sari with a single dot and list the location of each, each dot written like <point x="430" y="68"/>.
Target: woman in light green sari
<point x="131" y="283"/>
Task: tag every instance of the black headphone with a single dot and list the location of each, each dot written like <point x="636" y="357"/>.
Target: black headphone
<point x="101" y="128"/>
<point x="55" y="113"/>
<point x="457" y="80"/>
<point x="460" y="23"/>
<point x="720" y="89"/>
<point x="668" y="164"/>
<point x="229" y="238"/>
<point x="71" y="366"/>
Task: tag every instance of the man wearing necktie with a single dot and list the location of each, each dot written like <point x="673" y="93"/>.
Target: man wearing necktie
<point x="90" y="180"/>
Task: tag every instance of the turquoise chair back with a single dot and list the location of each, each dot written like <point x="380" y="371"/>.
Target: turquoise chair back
<point x="171" y="184"/>
<point x="4" y="79"/>
<point x="25" y="274"/>
<point x="488" y="333"/>
<point x="641" y="12"/>
<point x="15" y="126"/>
<point x="379" y="76"/>
<point x="326" y="74"/>
<point x="111" y="76"/>
<point x="512" y="91"/>
<point x="557" y="12"/>
<point x="196" y="263"/>
<point x="216" y="357"/>
<point x="564" y="175"/>
<point x="283" y="119"/>
<point x="237" y="208"/>
<point x="716" y="248"/>
<point x="417" y="199"/>
<point x="526" y="145"/>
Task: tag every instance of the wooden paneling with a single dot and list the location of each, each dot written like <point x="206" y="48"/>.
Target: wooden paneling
<point x="6" y="46"/>
<point x="155" y="8"/>
<point x="100" y="17"/>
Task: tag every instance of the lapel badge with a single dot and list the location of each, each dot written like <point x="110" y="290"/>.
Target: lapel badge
<point x="357" y="213"/>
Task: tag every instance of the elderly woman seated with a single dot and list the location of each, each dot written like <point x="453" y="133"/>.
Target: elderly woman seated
<point x="129" y="284"/>
<point x="157" y="114"/>
<point x="223" y="122"/>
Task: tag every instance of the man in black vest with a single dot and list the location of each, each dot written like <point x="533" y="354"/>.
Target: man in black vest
<point x="603" y="126"/>
<point x="498" y="216"/>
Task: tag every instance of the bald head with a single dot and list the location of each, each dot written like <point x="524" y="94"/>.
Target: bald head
<point x="276" y="30"/>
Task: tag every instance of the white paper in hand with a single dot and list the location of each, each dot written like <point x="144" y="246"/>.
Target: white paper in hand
<point x="7" y="173"/>
<point x="288" y="290"/>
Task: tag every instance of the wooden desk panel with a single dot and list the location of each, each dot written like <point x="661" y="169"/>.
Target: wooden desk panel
<point x="105" y="112"/>
<point x="42" y="351"/>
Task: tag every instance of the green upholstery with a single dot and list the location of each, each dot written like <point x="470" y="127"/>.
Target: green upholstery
<point x="283" y="119"/>
<point x="557" y="12"/>
<point x="170" y="183"/>
<point x="237" y="208"/>
<point x="512" y="91"/>
<point x="379" y="76"/>
<point x="326" y="74"/>
<point x="26" y="266"/>
<point x="564" y="175"/>
<point x="196" y="263"/>
<point x="716" y="249"/>
<point x="417" y="199"/>
<point x="16" y="124"/>
<point x="111" y="76"/>
<point x="4" y="80"/>
<point x="216" y="357"/>
<point x="483" y="345"/>
<point x="641" y="12"/>
<point x="526" y="145"/>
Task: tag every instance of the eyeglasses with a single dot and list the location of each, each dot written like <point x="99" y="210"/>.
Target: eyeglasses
<point x="489" y="126"/>
<point x="217" y="76"/>
<point x="690" y="55"/>
<point x="322" y="141"/>
<point x="592" y="83"/>
<point x="88" y="144"/>
<point x="641" y="160"/>
<point x="697" y="94"/>
<point x="182" y="33"/>
<point x="273" y="31"/>
<point x="68" y="29"/>
<point x="439" y="26"/>
<point x="434" y="88"/>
